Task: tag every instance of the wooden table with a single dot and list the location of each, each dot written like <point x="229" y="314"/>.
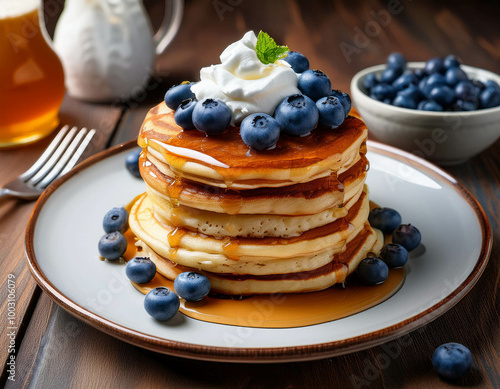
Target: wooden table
<point x="55" y="350"/>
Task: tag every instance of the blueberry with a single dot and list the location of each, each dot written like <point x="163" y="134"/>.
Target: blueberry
<point x="211" y="116"/>
<point x="387" y="101"/>
<point x="140" y="270"/>
<point x="389" y="75"/>
<point x="404" y="102"/>
<point x="372" y="271"/>
<point x="434" y="65"/>
<point x="489" y="98"/>
<point x="177" y="94"/>
<point x="492" y="84"/>
<point x="433" y="80"/>
<point x="297" y="61"/>
<point x="112" y="246"/>
<point x="314" y="84"/>
<point x="443" y="95"/>
<point x="419" y="73"/>
<point x="394" y="255"/>
<point x="297" y="115"/>
<point x="132" y="162"/>
<point x="115" y="220"/>
<point x="385" y="219"/>
<point x="381" y="92"/>
<point x="260" y="131"/>
<point x="422" y="82"/>
<point x="429" y="105"/>
<point x="452" y="360"/>
<point x="407" y="236"/>
<point x="344" y="99"/>
<point x="412" y="92"/>
<point x="454" y="76"/>
<point x="192" y="286"/>
<point x="369" y="81"/>
<point x="479" y="85"/>
<point x="184" y="114"/>
<point x="465" y="90"/>
<point x="465" y="105"/>
<point x="161" y="303"/>
<point x="396" y="60"/>
<point x="404" y="81"/>
<point x="331" y="112"/>
<point x="451" y="62"/>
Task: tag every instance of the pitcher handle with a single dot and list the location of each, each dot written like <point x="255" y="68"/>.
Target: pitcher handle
<point x="171" y="23"/>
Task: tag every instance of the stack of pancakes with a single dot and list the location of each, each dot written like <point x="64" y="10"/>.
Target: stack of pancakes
<point x="291" y="219"/>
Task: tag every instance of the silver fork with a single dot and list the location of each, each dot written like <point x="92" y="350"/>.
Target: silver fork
<point x="58" y="158"/>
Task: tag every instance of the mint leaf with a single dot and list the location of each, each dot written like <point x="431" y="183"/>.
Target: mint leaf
<point x="267" y="49"/>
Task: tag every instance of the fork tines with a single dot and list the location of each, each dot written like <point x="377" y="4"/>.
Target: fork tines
<point x="60" y="156"/>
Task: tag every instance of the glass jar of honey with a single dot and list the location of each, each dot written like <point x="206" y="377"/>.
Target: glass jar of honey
<point x="31" y="76"/>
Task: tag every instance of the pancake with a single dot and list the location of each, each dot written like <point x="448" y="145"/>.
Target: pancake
<point x="225" y="161"/>
<point x="299" y="199"/>
<point x="334" y="270"/>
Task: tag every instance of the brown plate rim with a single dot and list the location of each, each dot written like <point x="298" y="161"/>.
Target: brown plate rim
<point x="271" y="354"/>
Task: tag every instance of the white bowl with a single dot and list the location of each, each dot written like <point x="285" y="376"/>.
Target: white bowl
<point x="446" y="138"/>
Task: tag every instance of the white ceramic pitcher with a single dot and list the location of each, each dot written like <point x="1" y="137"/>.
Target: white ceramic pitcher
<point x="107" y="47"/>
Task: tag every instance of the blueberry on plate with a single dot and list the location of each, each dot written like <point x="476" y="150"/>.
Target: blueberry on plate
<point x="132" y="162"/>
<point x="404" y="102"/>
<point x="115" y="219"/>
<point x="396" y="60"/>
<point x="192" y="286"/>
<point x="381" y="92"/>
<point x="389" y="75"/>
<point x="161" y="303"/>
<point x="211" y="116"/>
<point x="184" y="114"/>
<point x="404" y="81"/>
<point x="442" y="95"/>
<point x="344" y="99"/>
<point x="331" y="112"/>
<point x="297" y="115"/>
<point x="407" y="236"/>
<point x="260" y="131"/>
<point x="452" y="360"/>
<point x="435" y="65"/>
<point x="140" y="270"/>
<point x="385" y="219"/>
<point x="372" y="271"/>
<point x="177" y="94"/>
<point x="394" y="255"/>
<point x="369" y="81"/>
<point x="314" y="84"/>
<point x="451" y="61"/>
<point x="429" y="105"/>
<point x="297" y="61"/>
<point x="112" y="246"/>
<point x="489" y="98"/>
<point x="454" y="75"/>
<point x="419" y="73"/>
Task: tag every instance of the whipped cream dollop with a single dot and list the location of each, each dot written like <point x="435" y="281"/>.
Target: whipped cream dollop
<point x="244" y="83"/>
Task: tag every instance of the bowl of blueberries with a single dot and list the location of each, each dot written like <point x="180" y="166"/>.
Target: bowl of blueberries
<point x="440" y="110"/>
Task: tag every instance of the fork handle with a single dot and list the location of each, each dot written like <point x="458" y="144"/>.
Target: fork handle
<point x="5" y="193"/>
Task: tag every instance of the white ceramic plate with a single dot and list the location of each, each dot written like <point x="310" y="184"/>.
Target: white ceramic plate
<point x="63" y="232"/>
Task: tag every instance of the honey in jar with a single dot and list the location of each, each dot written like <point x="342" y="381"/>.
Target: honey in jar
<point x="31" y="76"/>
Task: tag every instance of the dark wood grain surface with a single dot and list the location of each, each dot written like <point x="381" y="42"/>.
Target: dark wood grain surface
<point x="55" y="350"/>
